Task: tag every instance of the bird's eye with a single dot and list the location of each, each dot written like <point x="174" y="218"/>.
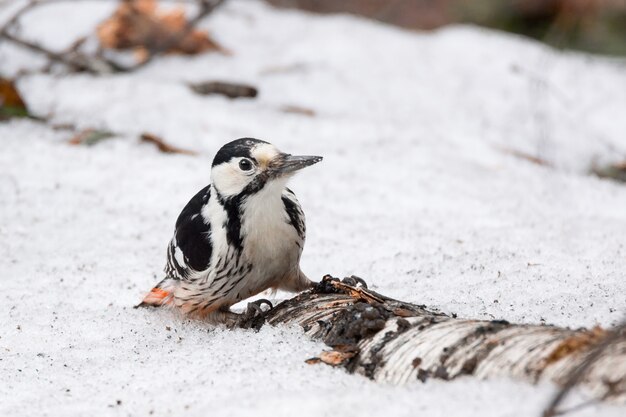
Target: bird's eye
<point x="245" y="165"/>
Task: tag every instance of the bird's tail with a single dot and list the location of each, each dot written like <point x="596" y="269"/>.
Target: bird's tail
<point x="162" y="294"/>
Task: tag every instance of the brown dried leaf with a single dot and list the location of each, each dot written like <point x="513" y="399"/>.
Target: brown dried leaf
<point x="198" y="41"/>
<point x="141" y="54"/>
<point x="164" y="146"/>
<point x="139" y="24"/>
<point x="11" y="103"/>
<point x="335" y="357"/>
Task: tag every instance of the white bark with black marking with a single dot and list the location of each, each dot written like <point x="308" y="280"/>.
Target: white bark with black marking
<point x="391" y="341"/>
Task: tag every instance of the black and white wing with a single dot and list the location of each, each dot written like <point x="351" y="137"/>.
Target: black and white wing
<point x="295" y="213"/>
<point x="190" y="249"/>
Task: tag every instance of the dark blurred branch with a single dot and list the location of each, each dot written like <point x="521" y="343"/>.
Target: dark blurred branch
<point x="97" y="64"/>
<point x="21" y="11"/>
<point x="75" y="60"/>
<point x="575" y="377"/>
<point x="72" y="58"/>
<point x="230" y="90"/>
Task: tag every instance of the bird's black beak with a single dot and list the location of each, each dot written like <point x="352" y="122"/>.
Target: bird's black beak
<point x="287" y="164"/>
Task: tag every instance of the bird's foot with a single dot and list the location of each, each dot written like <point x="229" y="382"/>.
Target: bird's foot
<point x="326" y="286"/>
<point x="254" y="316"/>
<point x="355" y="281"/>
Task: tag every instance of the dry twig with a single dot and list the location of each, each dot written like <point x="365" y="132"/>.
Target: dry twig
<point x="164" y="146"/>
<point x="71" y="58"/>
<point x="98" y="64"/>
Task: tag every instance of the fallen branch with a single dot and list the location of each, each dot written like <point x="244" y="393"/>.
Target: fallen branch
<point x="393" y="341"/>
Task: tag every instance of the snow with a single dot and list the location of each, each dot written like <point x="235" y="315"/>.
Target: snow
<point x="418" y="193"/>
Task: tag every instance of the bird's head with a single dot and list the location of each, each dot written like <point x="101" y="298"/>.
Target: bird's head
<point x="246" y="166"/>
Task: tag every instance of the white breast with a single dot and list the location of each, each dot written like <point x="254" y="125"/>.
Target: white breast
<point x="269" y="239"/>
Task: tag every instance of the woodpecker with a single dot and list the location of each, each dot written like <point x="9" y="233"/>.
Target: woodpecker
<point x="238" y="236"/>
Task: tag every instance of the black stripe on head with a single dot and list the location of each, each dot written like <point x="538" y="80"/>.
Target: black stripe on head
<point x="237" y="148"/>
<point x="256" y="184"/>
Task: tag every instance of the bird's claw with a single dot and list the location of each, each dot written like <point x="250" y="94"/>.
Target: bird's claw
<point x="254" y="316"/>
<point x="254" y="307"/>
<point x="326" y="286"/>
<point x="354" y="281"/>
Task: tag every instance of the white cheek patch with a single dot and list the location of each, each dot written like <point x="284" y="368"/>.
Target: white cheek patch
<point x="229" y="179"/>
<point x="264" y="153"/>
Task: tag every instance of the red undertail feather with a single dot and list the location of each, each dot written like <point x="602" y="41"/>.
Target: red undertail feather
<point x="156" y="297"/>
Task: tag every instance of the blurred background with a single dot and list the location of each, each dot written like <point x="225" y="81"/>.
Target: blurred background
<point x="463" y="143"/>
<point x="597" y="26"/>
<point x="104" y="37"/>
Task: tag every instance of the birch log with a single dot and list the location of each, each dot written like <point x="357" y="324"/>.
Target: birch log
<point x="397" y="342"/>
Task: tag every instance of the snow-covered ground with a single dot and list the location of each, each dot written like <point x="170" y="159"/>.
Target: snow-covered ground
<point x="418" y="193"/>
